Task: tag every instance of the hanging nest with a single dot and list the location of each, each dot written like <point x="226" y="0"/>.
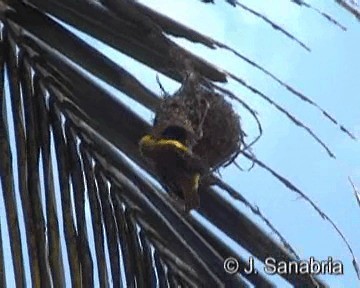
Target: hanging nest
<point x="222" y="135"/>
<point x="194" y="131"/>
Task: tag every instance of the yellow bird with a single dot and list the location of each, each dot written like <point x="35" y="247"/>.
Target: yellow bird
<point x="179" y="169"/>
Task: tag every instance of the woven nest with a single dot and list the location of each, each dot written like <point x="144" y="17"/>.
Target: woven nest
<point x="202" y="120"/>
<point x="194" y="130"/>
<point x="222" y="133"/>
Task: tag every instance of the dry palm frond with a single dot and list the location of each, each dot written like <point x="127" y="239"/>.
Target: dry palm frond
<point x="176" y="29"/>
<point x="57" y="107"/>
<point x="325" y="15"/>
<point x="350" y="5"/>
<point x="356" y="191"/>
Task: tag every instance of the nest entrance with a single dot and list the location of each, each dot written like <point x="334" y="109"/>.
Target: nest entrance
<point x="203" y="121"/>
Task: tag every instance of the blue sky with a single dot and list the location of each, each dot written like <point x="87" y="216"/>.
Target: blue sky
<point x="328" y="75"/>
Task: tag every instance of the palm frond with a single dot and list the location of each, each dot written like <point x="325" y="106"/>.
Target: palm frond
<point x="73" y="137"/>
<point x="351" y="6"/>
